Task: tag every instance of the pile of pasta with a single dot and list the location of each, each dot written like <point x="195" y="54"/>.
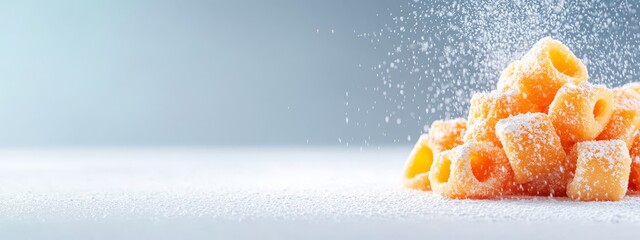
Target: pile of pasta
<point x="545" y="131"/>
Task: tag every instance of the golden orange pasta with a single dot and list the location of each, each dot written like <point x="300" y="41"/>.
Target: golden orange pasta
<point x="602" y="171"/>
<point x="625" y="118"/>
<point x="443" y="135"/>
<point x="543" y="70"/>
<point x="531" y="145"/>
<point x="446" y="134"/>
<point x="505" y="82"/>
<point x="554" y="183"/>
<point x="418" y="165"/>
<point x="634" y="153"/>
<point x="635" y="86"/>
<point x="545" y="131"/>
<point x="487" y="108"/>
<point x="580" y="112"/>
<point x="476" y="170"/>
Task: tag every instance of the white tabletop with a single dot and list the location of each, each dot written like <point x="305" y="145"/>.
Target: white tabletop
<point x="258" y="193"/>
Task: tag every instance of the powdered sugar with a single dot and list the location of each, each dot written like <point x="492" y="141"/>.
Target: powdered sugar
<point x="606" y="150"/>
<point x="438" y="53"/>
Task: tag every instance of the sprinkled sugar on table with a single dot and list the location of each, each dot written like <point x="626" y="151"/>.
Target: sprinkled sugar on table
<point x="315" y="193"/>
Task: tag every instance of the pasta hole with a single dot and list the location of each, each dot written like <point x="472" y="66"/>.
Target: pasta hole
<point x="444" y="171"/>
<point x="563" y="62"/>
<point x="481" y="167"/>
<point x="599" y="109"/>
<point x="422" y="162"/>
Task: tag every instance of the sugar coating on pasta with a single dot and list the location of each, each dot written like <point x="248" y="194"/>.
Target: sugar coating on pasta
<point x="487" y="108"/>
<point x="581" y="112"/>
<point x="543" y="70"/>
<point x="531" y="145"/>
<point x="476" y="170"/>
<point x="634" y="153"/>
<point x="555" y="183"/>
<point x="635" y="86"/>
<point x="602" y="171"/>
<point x="498" y="105"/>
<point x="443" y="135"/>
<point x="545" y="131"/>
<point x="446" y="134"/>
<point x="625" y="118"/>
<point x="505" y="82"/>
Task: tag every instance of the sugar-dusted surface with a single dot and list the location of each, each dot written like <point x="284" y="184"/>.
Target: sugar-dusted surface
<point x="265" y="193"/>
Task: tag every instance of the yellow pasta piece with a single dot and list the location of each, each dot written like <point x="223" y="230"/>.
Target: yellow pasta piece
<point x="418" y="165"/>
<point x="443" y="135"/>
<point x="580" y="112"/>
<point x="602" y="171"/>
<point x="487" y="108"/>
<point x="543" y="70"/>
<point x="625" y="118"/>
<point x="531" y="145"/>
<point x="476" y="170"/>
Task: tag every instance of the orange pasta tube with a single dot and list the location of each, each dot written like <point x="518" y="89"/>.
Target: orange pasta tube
<point x="602" y="171"/>
<point x="505" y="82"/>
<point x="531" y="145"/>
<point x="443" y="135"/>
<point x="446" y="134"/>
<point x="580" y="112"/>
<point x="635" y="86"/>
<point x="476" y="170"/>
<point x="554" y="183"/>
<point x="543" y="70"/>
<point x="487" y="108"/>
<point x="625" y="118"/>
<point x="634" y="153"/>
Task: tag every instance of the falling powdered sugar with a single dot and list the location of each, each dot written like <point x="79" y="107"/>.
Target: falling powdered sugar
<point x="438" y="53"/>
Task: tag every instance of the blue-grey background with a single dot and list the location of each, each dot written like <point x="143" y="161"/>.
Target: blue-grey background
<point x="164" y="72"/>
<point x="265" y="73"/>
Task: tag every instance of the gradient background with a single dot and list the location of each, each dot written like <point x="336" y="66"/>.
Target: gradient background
<point x="94" y="73"/>
<point x="190" y="73"/>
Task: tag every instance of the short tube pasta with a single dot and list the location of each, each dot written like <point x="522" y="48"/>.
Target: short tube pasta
<point x="531" y="145"/>
<point x="580" y="112"/>
<point x="476" y="170"/>
<point x="487" y="108"/>
<point x="625" y="118"/>
<point x="602" y="171"/>
<point x="443" y="135"/>
<point x="543" y="70"/>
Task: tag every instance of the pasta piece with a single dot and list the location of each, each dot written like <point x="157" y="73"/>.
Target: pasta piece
<point x="483" y="131"/>
<point x="635" y="86"/>
<point x="443" y="135"/>
<point x="418" y="182"/>
<point x="543" y="70"/>
<point x="498" y="105"/>
<point x="418" y="165"/>
<point x="580" y="112"/>
<point x="531" y="145"/>
<point x="487" y="108"/>
<point x="505" y="82"/>
<point x="476" y="170"/>
<point x="602" y="171"/>
<point x="554" y="183"/>
<point x="446" y="134"/>
<point x="625" y="118"/>
<point x="634" y="153"/>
